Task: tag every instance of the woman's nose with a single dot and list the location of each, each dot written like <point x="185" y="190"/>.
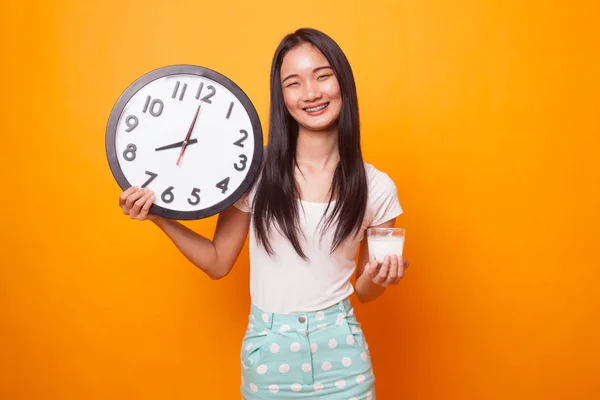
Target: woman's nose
<point x="311" y="91"/>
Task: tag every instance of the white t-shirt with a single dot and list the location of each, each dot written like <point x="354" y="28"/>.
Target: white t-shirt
<point x="286" y="283"/>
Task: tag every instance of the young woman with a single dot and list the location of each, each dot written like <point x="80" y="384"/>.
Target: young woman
<point x="306" y="214"/>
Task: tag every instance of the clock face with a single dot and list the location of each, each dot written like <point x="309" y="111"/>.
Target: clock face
<point x="190" y="135"/>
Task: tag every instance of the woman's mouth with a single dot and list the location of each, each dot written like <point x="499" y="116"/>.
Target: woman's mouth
<point x="317" y="110"/>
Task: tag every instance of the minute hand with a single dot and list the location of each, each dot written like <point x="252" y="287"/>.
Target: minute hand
<point x="175" y="145"/>
<point x="187" y="137"/>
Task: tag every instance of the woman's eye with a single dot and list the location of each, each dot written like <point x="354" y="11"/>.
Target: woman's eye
<point x="323" y="77"/>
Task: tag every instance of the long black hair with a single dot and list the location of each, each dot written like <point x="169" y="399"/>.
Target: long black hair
<point x="276" y="199"/>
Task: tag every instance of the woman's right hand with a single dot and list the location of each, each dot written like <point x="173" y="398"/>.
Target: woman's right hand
<point x="136" y="202"/>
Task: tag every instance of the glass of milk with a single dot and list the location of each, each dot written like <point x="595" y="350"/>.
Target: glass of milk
<point x="385" y="242"/>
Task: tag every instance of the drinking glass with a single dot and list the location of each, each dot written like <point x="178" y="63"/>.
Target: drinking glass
<point x="385" y="242"/>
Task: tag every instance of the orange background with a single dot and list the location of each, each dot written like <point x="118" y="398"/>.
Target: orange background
<point x="486" y="115"/>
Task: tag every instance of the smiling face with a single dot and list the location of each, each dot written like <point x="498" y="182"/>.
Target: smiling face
<point x="310" y="88"/>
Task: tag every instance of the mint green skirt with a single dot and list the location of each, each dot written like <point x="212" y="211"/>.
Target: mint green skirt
<point x="315" y="355"/>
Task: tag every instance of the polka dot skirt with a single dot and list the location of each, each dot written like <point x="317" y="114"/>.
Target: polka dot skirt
<point x="317" y="355"/>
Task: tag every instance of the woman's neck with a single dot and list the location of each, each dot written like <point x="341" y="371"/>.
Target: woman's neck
<point x="317" y="150"/>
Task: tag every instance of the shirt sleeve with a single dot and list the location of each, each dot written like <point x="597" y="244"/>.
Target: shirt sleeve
<point x="246" y="202"/>
<point x="384" y="200"/>
<point x="243" y="204"/>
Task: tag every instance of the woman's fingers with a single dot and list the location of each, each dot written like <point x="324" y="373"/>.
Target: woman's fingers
<point x="125" y="194"/>
<point x="387" y="273"/>
<point x="131" y="200"/>
<point x="136" y="209"/>
<point x="146" y="207"/>
<point x="395" y="272"/>
<point x="383" y="272"/>
<point x="372" y="269"/>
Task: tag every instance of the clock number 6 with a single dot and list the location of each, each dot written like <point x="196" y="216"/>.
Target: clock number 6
<point x="167" y="196"/>
<point x="243" y="160"/>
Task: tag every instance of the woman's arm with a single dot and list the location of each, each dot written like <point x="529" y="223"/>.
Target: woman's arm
<point x="215" y="257"/>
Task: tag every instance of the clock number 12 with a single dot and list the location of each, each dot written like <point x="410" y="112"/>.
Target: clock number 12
<point x="206" y="98"/>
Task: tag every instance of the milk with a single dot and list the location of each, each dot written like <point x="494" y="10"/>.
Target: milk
<point x="381" y="246"/>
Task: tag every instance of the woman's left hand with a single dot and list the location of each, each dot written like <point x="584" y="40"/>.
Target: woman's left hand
<point x="387" y="273"/>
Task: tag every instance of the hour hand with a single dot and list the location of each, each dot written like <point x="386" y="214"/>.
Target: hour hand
<point x="175" y="145"/>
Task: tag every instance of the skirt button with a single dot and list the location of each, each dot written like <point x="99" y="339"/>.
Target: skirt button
<point x="302" y="319"/>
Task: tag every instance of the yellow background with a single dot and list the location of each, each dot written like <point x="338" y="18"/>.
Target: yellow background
<point x="486" y="115"/>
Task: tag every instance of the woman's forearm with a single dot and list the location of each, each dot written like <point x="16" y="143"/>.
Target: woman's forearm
<point x="367" y="290"/>
<point x="198" y="249"/>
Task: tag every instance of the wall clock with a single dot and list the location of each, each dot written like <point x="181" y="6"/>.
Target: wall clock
<point x="189" y="134"/>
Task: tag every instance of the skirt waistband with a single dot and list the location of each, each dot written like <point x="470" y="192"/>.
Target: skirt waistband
<point x="269" y="320"/>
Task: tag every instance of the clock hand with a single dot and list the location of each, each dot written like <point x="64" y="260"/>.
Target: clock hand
<point x="185" y="142"/>
<point x="175" y="145"/>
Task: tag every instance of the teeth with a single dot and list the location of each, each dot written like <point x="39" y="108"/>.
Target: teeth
<point x="317" y="108"/>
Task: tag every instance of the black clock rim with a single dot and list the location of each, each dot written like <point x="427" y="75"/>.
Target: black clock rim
<point x="133" y="88"/>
